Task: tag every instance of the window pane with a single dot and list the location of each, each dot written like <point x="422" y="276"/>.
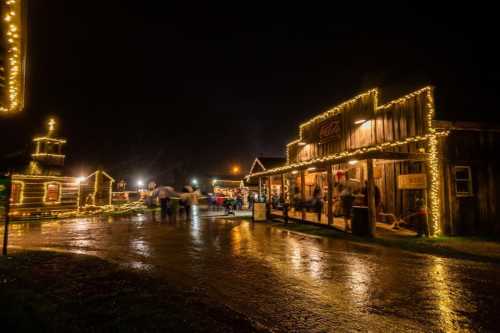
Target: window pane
<point x="462" y="173"/>
<point x="52" y="192"/>
<point x="462" y="186"/>
<point x="15" y="196"/>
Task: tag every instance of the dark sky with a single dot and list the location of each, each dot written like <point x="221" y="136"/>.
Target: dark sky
<point x="140" y="87"/>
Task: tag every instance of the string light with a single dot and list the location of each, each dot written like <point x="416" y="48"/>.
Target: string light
<point x="44" y="138"/>
<point x="21" y="190"/>
<point x="433" y="165"/>
<point x="338" y="109"/>
<point x="13" y="65"/>
<point x="48" y="154"/>
<point x="351" y="153"/>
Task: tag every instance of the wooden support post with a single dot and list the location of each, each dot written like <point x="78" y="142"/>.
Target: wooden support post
<point x="329" y="204"/>
<point x="282" y="179"/>
<point x="372" y="210"/>
<point x="269" y="199"/>
<point x="7" y="217"/>
<point x="303" y="193"/>
<point x="260" y="188"/>
<point x="284" y="200"/>
<point x="269" y="204"/>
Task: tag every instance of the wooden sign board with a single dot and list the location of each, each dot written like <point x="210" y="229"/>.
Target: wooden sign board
<point x="259" y="211"/>
<point x="412" y="181"/>
<point x="330" y="130"/>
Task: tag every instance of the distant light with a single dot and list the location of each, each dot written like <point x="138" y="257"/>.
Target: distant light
<point x="311" y="169"/>
<point x="302" y="143"/>
<point x="194" y="181"/>
<point x="80" y="179"/>
<point x="214" y="182"/>
<point x="359" y="121"/>
<point x="140" y="182"/>
<point x="294" y="172"/>
<point x="353" y="162"/>
<point x="236" y="169"/>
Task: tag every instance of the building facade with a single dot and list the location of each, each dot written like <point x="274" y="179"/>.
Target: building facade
<point x="42" y="188"/>
<point x="395" y="153"/>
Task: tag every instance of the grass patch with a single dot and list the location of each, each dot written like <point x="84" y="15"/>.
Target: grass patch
<point x="49" y="292"/>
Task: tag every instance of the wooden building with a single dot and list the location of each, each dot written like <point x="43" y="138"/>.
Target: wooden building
<point x="96" y="189"/>
<point x="399" y="147"/>
<point x="471" y="180"/>
<point x="42" y="189"/>
<point x="261" y="164"/>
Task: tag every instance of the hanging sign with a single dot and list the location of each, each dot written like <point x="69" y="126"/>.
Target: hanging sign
<point x="330" y="130"/>
<point x="412" y="181"/>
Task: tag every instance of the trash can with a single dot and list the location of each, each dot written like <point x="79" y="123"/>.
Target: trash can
<point x="360" y="223"/>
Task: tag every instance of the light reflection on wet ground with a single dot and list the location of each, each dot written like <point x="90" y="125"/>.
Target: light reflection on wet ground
<point x="288" y="281"/>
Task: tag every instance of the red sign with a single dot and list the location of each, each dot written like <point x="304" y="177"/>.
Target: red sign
<point x="330" y="130"/>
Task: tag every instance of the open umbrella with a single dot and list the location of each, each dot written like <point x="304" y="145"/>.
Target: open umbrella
<point x="165" y="191"/>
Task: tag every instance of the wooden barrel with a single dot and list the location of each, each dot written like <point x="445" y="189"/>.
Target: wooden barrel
<point x="360" y="223"/>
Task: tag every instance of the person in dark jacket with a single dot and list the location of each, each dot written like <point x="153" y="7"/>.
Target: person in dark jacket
<point x="347" y="199"/>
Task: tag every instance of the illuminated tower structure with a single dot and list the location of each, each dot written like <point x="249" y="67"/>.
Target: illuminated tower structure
<point x="12" y="55"/>
<point x="47" y="157"/>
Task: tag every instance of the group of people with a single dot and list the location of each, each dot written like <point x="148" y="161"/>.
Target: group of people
<point x="344" y="198"/>
<point x="229" y="203"/>
<point x="173" y="204"/>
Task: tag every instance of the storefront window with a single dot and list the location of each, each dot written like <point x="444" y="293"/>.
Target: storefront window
<point x="52" y="192"/>
<point x="463" y="181"/>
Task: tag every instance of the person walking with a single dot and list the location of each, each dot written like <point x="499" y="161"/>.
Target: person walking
<point x="164" y="198"/>
<point x="186" y="201"/>
<point x="347" y="198"/>
<point x="317" y="202"/>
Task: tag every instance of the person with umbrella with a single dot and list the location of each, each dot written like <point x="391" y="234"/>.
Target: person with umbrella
<point x="164" y="193"/>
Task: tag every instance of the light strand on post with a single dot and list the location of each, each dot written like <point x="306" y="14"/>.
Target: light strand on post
<point x="433" y="165"/>
<point x="13" y="64"/>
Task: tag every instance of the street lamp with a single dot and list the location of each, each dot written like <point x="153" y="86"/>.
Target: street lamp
<point x="194" y="181"/>
<point x="140" y="184"/>
<point x="236" y="169"/>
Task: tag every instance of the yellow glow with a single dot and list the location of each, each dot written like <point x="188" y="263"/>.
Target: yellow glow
<point x="433" y="163"/>
<point x="337" y="109"/>
<point x="47" y="154"/>
<point x="52" y="124"/>
<point x="21" y="196"/>
<point x="236" y="169"/>
<point x="351" y="153"/>
<point x="353" y="162"/>
<point x="13" y="63"/>
<point x="44" y="138"/>
<point x="45" y="187"/>
<point x="360" y="121"/>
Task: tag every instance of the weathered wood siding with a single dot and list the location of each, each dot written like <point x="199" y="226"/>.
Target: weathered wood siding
<point x="393" y="122"/>
<point x="479" y="212"/>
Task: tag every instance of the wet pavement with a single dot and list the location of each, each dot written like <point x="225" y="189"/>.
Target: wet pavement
<point x="287" y="281"/>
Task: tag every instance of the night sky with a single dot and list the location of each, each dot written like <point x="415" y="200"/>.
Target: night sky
<point x="142" y="87"/>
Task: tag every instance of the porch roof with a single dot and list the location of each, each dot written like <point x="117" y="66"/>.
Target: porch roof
<point x="375" y="151"/>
